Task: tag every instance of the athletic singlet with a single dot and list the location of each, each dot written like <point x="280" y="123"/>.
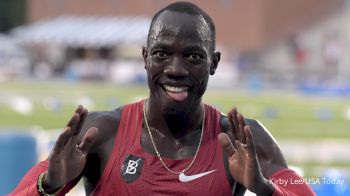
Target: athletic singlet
<point x="132" y="171"/>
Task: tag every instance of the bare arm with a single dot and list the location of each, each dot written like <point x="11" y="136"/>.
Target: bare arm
<point x="255" y="157"/>
<point x="83" y="135"/>
<point x="66" y="160"/>
<point x="268" y="151"/>
<point x="97" y="158"/>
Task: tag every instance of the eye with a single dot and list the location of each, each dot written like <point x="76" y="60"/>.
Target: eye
<point x="195" y="56"/>
<point x="160" y="54"/>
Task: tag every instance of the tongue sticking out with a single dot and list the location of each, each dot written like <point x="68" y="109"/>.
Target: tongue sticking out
<point x="178" y="96"/>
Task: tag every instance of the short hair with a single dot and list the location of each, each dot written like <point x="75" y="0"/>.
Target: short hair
<point x="189" y="8"/>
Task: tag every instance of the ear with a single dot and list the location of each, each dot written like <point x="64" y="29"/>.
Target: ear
<point x="215" y="63"/>
<point x="144" y="55"/>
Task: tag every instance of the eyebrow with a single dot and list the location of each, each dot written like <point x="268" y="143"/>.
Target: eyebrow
<point x="161" y="46"/>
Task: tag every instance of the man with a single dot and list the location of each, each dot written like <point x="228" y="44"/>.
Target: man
<point x="171" y="143"/>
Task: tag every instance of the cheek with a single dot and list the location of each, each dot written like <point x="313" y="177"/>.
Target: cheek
<point x="202" y="78"/>
<point x="202" y="74"/>
<point x="153" y="71"/>
<point x="204" y="82"/>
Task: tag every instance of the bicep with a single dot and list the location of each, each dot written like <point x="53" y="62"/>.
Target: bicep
<point x="107" y="124"/>
<point x="268" y="151"/>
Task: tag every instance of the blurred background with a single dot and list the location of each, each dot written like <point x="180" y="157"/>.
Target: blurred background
<point x="285" y="63"/>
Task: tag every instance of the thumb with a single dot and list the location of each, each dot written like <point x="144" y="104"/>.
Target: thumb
<point x="88" y="140"/>
<point x="226" y="144"/>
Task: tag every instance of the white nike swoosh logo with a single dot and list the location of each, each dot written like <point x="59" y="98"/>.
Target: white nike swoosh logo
<point x="184" y="178"/>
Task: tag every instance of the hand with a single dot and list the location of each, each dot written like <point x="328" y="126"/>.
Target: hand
<point x="243" y="161"/>
<point x="68" y="157"/>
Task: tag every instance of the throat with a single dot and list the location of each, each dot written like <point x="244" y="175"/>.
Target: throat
<point x="178" y="125"/>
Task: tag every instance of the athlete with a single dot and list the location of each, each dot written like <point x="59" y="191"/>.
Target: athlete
<point x="170" y="143"/>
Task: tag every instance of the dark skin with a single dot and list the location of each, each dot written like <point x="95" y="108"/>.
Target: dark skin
<point x="179" y="54"/>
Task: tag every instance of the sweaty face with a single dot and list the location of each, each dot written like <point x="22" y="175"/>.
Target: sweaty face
<point x="178" y="59"/>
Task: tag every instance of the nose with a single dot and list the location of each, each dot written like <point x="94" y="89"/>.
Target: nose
<point x="177" y="68"/>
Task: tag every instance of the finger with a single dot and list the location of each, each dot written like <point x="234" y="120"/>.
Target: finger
<point x="88" y="140"/>
<point x="61" y="141"/>
<point x="77" y="112"/>
<point x="226" y="144"/>
<point x="241" y="124"/>
<point x="250" y="140"/>
<point x="234" y="118"/>
<point x="83" y="116"/>
<point x="75" y="123"/>
<point x="241" y="148"/>
<point x="232" y="125"/>
<point x="75" y="126"/>
<point x="79" y="109"/>
<point x="73" y="120"/>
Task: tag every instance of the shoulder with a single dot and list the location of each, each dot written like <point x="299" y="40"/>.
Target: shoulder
<point x="263" y="138"/>
<point x="105" y="119"/>
<point x="268" y="151"/>
<point x="107" y="123"/>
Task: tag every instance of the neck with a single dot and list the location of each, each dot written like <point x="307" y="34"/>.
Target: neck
<point x="174" y="121"/>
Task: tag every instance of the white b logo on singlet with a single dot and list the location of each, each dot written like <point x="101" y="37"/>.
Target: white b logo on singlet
<point x="131" y="168"/>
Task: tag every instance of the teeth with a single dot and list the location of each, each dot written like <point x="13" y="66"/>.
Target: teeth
<point x="176" y="89"/>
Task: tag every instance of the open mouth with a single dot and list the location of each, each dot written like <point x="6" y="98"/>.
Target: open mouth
<point x="177" y="93"/>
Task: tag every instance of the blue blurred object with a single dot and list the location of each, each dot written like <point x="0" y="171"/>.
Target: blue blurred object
<point x="18" y="154"/>
<point x="333" y="183"/>
<point x="325" y="90"/>
<point x="324" y="114"/>
<point x="332" y="190"/>
<point x="255" y="83"/>
<point x="113" y="102"/>
<point x="271" y="112"/>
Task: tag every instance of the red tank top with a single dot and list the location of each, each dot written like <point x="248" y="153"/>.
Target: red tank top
<point x="132" y="171"/>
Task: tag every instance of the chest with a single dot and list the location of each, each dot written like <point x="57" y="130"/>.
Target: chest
<point x="185" y="147"/>
<point x="135" y="173"/>
<point x="131" y="170"/>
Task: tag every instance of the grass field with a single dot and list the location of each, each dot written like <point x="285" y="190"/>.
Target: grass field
<point x="285" y="114"/>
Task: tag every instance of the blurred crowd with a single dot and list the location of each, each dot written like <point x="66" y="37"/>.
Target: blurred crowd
<point x="75" y="48"/>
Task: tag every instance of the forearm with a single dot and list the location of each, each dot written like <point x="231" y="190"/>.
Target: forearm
<point x="284" y="182"/>
<point x="28" y="184"/>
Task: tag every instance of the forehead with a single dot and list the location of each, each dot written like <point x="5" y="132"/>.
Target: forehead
<point x="180" y="27"/>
